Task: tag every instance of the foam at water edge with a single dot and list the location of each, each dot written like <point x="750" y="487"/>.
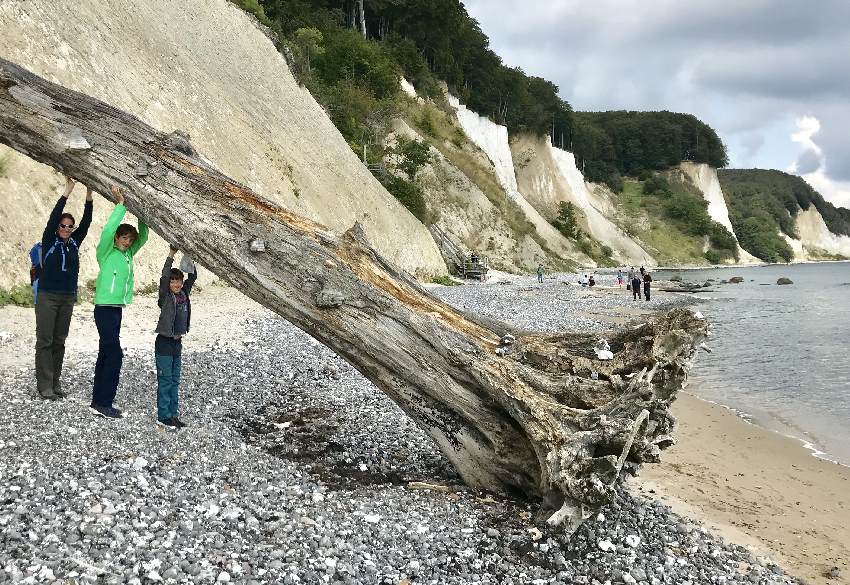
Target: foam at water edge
<point x="751" y="420"/>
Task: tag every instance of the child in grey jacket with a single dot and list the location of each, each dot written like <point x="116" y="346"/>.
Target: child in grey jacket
<point x="174" y="318"/>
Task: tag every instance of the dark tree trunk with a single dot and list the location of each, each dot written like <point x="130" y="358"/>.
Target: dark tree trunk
<point x="536" y="415"/>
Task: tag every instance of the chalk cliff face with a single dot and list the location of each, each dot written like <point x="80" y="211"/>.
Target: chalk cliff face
<point x="464" y="213"/>
<point x="204" y="67"/>
<point x="705" y="179"/>
<point x="816" y="241"/>
<point x="493" y="139"/>
<point x="548" y="176"/>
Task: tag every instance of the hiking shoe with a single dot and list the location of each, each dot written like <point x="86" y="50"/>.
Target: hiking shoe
<point x="46" y="396"/>
<point x="60" y="393"/>
<point x="106" y="411"/>
<point x="169" y="422"/>
<point x="177" y="422"/>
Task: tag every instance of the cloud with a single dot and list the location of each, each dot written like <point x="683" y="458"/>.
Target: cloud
<point x="808" y="162"/>
<point x="748" y="69"/>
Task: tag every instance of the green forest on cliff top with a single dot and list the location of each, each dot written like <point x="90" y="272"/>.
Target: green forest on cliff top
<point x="433" y="41"/>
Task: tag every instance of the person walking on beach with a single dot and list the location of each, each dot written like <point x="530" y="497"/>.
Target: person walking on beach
<point x="620" y="278"/>
<point x="58" y="272"/>
<point x="635" y="287"/>
<point x="647" y="280"/>
<point x="175" y="316"/>
<point x="630" y="278"/>
<point x="540" y="273"/>
<point x="115" y="252"/>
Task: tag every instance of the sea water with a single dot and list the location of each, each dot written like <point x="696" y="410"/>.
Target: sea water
<point x="781" y="354"/>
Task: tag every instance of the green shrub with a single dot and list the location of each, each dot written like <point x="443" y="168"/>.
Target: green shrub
<point x="713" y="256"/>
<point x="567" y="221"/>
<point x="20" y="295"/>
<point x="411" y="155"/>
<point x="585" y="246"/>
<point x="426" y="123"/>
<point x="445" y="280"/>
<point x="253" y="7"/>
<point x="758" y="236"/>
<point x="408" y="193"/>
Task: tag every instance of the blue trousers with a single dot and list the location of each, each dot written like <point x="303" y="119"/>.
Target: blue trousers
<point x="168" y="382"/>
<point x="107" y="369"/>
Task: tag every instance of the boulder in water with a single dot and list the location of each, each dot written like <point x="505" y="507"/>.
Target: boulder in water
<point x="736" y="279"/>
<point x="784" y="280"/>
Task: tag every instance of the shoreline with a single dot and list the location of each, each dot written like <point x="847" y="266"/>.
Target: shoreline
<point x="756" y="487"/>
<point x="757" y="421"/>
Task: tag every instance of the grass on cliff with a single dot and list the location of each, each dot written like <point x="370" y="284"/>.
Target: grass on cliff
<point x="643" y="217"/>
<point x="437" y="126"/>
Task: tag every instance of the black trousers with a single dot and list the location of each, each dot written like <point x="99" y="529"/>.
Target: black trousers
<point x="646" y="291"/>
<point x="107" y="369"/>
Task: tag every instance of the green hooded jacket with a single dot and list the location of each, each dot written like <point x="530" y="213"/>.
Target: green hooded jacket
<point x="115" y="279"/>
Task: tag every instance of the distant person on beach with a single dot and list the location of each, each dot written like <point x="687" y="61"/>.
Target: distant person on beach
<point x="115" y="252"/>
<point x="620" y="278"/>
<point x="642" y="271"/>
<point x="473" y="257"/>
<point x="635" y="287"/>
<point x="631" y="278"/>
<point x="647" y="280"/>
<point x="540" y="273"/>
<point x="592" y="280"/>
<point x="57" y="272"/>
<point x="175" y="315"/>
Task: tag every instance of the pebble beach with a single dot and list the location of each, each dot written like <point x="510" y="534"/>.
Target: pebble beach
<point x="295" y="469"/>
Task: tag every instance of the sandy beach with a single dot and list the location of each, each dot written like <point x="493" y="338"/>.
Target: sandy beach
<point x="757" y="488"/>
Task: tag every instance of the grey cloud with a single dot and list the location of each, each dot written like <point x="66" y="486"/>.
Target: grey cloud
<point x="808" y="162"/>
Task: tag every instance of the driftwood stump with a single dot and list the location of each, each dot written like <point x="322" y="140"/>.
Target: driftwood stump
<point x="523" y="414"/>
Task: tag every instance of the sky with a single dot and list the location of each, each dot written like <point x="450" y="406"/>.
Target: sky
<point x="772" y="77"/>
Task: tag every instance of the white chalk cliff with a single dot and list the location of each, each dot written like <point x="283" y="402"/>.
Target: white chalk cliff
<point x="705" y="179"/>
<point x="493" y="139"/>
<point x="548" y="176"/>
<point x="815" y="237"/>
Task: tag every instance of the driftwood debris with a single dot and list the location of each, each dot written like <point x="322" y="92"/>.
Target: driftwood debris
<point x="523" y="414"/>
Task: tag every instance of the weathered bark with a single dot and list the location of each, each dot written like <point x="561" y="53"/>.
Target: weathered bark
<point x="536" y="415"/>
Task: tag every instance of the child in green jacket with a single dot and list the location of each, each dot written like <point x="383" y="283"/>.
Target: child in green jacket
<point x="115" y="251"/>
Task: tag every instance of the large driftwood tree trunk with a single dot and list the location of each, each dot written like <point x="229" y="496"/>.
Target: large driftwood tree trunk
<point x="536" y="415"/>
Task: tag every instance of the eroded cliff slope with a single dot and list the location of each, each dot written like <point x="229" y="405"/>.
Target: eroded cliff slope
<point x="204" y="67"/>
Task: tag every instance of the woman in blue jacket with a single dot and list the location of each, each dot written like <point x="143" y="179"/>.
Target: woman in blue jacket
<point x="57" y="290"/>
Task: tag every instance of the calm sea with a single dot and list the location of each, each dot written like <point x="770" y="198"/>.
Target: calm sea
<point x="781" y="353"/>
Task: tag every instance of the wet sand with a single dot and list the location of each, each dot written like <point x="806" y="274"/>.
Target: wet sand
<point x="757" y="488"/>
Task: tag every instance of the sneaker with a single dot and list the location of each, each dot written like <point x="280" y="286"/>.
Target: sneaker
<point x="180" y="424"/>
<point x="105" y="411"/>
<point x="48" y="397"/>
<point x="169" y="422"/>
<point x="60" y="393"/>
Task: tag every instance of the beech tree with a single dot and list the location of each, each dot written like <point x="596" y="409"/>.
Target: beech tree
<point x="525" y="414"/>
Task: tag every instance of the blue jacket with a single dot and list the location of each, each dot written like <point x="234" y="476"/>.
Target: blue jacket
<point x="60" y="266"/>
